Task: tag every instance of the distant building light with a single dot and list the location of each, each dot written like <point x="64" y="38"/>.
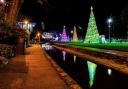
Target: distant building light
<point x="72" y="31"/>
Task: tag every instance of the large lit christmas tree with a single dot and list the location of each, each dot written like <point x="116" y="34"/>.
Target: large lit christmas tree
<point x="92" y="35"/>
<point x="75" y="38"/>
<point x="64" y="37"/>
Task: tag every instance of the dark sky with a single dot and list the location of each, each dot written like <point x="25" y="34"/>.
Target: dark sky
<point x="55" y="13"/>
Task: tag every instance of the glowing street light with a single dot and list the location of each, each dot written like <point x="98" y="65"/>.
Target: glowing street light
<point x="109" y="21"/>
<point x="2" y="1"/>
<point x="26" y="21"/>
<point x="25" y="24"/>
<point x="38" y="34"/>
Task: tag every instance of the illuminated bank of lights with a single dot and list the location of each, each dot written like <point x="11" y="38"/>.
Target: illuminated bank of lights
<point x="26" y="25"/>
<point x="47" y="35"/>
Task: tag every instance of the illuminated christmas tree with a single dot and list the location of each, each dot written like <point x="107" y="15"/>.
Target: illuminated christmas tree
<point x="75" y="38"/>
<point x="92" y="35"/>
<point x="92" y="71"/>
<point x="64" y="37"/>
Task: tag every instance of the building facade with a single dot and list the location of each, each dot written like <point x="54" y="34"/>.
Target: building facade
<point x="12" y="8"/>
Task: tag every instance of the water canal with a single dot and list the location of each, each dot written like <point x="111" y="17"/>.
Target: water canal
<point x="87" y="74"/>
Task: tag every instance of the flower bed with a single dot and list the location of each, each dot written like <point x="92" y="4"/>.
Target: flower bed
<point x="7" y="51"/>
<point x="3" y="61"/>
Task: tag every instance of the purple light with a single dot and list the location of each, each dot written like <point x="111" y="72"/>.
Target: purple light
<point x="64" y="54"/>
<point x="64" y="37"/>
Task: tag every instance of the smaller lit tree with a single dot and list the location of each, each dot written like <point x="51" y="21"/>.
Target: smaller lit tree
<point x="75" y="38"/>
<point x="64" y="37"/>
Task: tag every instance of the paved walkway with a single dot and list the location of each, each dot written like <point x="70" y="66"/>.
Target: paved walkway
<point x="30" y="71"/>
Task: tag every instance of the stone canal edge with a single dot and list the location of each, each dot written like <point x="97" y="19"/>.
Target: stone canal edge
<point x="72" y="84"/>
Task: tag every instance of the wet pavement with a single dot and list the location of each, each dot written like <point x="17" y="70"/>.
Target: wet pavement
<point x="30" y="71"/>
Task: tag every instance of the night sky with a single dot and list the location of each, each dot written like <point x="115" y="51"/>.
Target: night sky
<point x="56" y="13"/>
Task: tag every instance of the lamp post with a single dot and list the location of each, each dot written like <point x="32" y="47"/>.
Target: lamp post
<point x="109" y="21"/>
<point x="25" y="24"/>
<point x="38" y="34"/>
<point x="2" y="1"/>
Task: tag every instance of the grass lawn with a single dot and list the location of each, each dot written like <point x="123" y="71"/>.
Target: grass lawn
<point x="115" y="46"/>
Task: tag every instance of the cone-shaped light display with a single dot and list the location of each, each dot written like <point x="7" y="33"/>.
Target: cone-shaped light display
<point x="64" y="37"/>
<point x="75" y="38"/>
<point x="92" y="35"/>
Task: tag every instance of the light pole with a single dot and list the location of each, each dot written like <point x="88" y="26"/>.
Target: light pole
<point x="38" y="34"/>
<point x="109" y="21"/>
<point x="2" y="1"/>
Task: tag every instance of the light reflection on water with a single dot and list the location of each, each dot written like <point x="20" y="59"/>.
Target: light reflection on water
<point x="47" y="46"/>
<point x="74" y="59"/>
<point x="109" y="71"/>
<point x="92" y="71"/>
<point x="87" y="74"/>
<point x="64" y="54"/>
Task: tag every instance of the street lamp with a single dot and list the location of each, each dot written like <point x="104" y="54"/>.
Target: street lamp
<point x="109" y="21"/>
<point x="25" y="24"/>
<point x="2" y="1"/>
<point x="26" y="21"/>
<point x="38" y="34"/>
